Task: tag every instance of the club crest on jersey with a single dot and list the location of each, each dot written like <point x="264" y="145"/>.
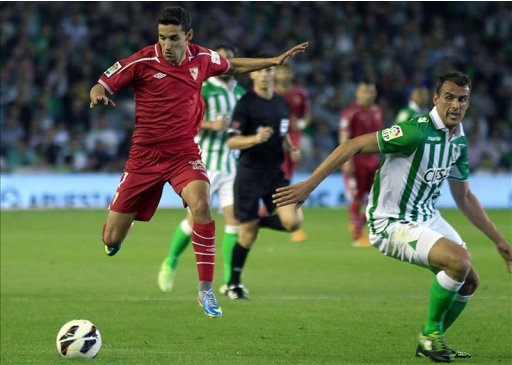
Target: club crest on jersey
<point x="456" y="152"/>
<point x="422" y="119"/>
<point x="197" y="165"/>
<point x="194" y="71"/>
<point x="113" y="69"/>
<point x="391" y="133"/>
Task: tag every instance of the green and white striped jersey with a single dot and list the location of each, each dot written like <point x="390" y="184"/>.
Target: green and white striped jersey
<point x="420" y="155"/>
<point x="220" y="100"/>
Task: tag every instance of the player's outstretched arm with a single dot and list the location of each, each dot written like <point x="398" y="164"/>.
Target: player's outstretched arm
<point x="298" y="193"/>
<point x="98" y="97"/>
<point x="244" y="65"/>
<point x="469" y="205"/>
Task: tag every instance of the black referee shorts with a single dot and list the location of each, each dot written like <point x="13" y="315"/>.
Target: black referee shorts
<point x="250" y="186"/>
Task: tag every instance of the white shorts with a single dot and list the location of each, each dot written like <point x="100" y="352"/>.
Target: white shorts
<point x="412" y="241"/>
<point x="221" y="187"/>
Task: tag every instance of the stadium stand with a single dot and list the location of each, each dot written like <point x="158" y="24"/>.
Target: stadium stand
<point x="52" y="52"/>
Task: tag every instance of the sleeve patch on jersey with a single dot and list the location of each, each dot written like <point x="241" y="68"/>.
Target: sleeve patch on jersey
<point x="113" y="69"/>
<point x="215" y="57"/>
<point x="391" y="133"/>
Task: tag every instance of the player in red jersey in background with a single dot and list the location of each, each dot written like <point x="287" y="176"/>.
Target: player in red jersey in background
<point x="300" y="117"/>
<point x="166" y="78"/>
<point x="361" y="117"/>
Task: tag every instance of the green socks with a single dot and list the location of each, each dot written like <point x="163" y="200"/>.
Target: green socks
<point x="228" y="242"/>
<point x="180" y="241"/>
<point x="455" y="310"/>
<point x="442" y="295"/>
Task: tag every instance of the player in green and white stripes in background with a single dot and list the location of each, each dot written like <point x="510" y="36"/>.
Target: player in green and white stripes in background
<point x="220" y="95"/>
<point x="402" y="219"/>
<point x="418" y="104"/>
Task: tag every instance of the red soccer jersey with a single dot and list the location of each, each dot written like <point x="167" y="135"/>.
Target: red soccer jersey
<point x="356" y="121"/>
<point x="168" y="102"/>
<point x="298" y="101"/>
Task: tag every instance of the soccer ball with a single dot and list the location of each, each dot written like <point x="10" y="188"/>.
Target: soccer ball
<point x="79" y="338"/>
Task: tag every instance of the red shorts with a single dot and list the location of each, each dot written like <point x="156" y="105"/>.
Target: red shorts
<point x="146" y="172"/>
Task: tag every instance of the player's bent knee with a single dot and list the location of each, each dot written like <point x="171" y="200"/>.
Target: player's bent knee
<point x="471" y="283"/>
<point x="200" y="208"/>
<point x="291" y="224"/>
<point x="247" y="239"/>
<point x="460" y="266"/>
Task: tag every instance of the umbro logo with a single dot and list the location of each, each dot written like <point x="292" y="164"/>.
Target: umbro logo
<point x="159" y="75"/>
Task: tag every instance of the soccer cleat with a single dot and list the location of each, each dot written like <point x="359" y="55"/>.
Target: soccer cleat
<point x="112" y="250"/>
<point x="362" y="241"/>
<point x="236" y="292"/>
<point x="166" y="277"/>
<point x="459" y="354"/>
<point x="299" y="236"/>
<point x="433" y="347"/>
<point x="224" y="289"/>
<point x="207" y="300"/>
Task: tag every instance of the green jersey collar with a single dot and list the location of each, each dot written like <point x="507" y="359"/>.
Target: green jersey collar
<point x="436" y="118"/>
<point x="438" y="123"/>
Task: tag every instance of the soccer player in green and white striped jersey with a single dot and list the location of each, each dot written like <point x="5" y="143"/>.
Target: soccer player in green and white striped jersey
<point x="220" y="95"/>
<point x="418" y="103"/>
<point x="402" y="218"/>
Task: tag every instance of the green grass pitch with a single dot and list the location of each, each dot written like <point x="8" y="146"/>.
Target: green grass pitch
<point x="317" y="302"/>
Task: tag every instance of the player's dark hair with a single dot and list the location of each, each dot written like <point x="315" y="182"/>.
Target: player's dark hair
<point x="175" y="15"/>
<point x="457" y="77"/>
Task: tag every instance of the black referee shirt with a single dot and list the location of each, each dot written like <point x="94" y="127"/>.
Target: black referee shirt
<point x="253" y="112"/>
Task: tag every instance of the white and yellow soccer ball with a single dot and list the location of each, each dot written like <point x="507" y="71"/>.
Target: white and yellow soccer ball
<point x="79" y="338"/>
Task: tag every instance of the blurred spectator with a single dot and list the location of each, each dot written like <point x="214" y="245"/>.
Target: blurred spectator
<point x="20" y="156"/>
<point x="47" y="63"/>
<point x="12" y="131"/>
<point x="482" y="152"/>
<point x="101" y="143"/>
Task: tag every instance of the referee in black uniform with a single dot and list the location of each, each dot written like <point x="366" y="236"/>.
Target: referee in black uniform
<point x="259" y="130"/>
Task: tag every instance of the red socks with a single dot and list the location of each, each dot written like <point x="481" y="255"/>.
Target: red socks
<point x="203" y="240"/>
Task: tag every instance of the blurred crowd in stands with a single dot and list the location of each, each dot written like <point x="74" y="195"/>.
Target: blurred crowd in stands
<point x="53" y="52"/>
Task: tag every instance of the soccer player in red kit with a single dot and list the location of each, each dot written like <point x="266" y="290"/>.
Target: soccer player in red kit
<point x="300" y="116"/>
<point x="166" y="78"/>
<point x="359" y="118"/>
